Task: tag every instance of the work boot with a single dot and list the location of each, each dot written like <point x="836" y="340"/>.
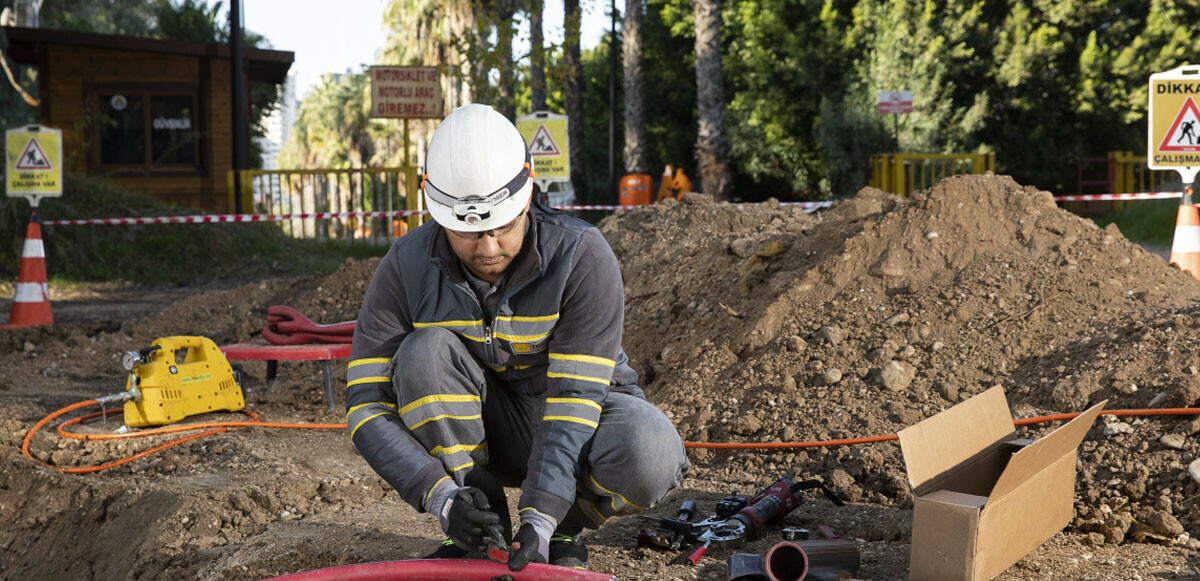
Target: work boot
<point x="568" y="550"/>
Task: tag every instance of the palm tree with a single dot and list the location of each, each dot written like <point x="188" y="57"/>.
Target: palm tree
<point x="636" y="155"/>
<point x="537" y="58"/>
<point x="435" y="33"/>
<point x="507" y="93"/>
<point x="712" y="146"/>
<point x="573" y="94"/>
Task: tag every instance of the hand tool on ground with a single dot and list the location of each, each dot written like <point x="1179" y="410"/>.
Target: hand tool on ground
<point x="176" y="377"/>
<point x="773" y="503"/>
<point x="673" y="533"/>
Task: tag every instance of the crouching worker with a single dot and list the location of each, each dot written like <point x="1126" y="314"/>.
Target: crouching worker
<point x="488" y="354"/>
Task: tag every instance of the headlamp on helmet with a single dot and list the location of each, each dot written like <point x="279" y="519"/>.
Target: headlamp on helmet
<point x="472" y="210"/>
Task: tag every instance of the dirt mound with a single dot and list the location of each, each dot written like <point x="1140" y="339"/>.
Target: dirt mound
<point x="239" y="314"/>
<point x="761" y="323"/>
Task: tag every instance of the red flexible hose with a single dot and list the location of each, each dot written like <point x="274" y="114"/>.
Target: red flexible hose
<point x="444" y="570"/>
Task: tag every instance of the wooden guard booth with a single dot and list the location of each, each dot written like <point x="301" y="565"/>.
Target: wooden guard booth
<point x="151" y="116"/>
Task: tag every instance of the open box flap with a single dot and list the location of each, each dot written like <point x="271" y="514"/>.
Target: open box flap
<point x="936" y="445"/>
<point x="1042" y="453"/>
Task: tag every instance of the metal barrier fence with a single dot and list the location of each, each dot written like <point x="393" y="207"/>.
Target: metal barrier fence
<point x="905" y="173"/>
<point x="1122" y="172"/>
<point x="334" y="190"/>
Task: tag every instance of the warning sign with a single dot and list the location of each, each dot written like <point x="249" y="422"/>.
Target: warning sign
<point x="1182" y="136"/>
<point x="33" y="157"/>
<point x="543" y="143"/>
<point x="546" y="134"/>
<point x="33" y="161"/>
<point x="1173" y="123"/>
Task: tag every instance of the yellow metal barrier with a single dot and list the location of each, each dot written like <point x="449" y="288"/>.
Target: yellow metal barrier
<point x="299" y="191"/>
<point x="905" y="173"/>
<point x="1130" y="175"/>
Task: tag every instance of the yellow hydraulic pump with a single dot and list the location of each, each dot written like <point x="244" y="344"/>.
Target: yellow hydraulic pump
<point x="177" y="377"/>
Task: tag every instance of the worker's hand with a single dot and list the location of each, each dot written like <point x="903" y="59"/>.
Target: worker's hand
<point x="469" y="517"/>
<point x="526" y="548"/>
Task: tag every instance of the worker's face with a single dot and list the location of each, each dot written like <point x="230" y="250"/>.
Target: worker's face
<point x="488" y="254"/>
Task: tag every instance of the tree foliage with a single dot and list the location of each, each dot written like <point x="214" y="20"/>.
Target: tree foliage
<point x="1040" y="83"/>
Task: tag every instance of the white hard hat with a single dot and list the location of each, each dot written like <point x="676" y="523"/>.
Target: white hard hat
<point x="477" y="171"/>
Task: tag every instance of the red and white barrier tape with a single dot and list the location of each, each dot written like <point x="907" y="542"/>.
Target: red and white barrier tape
<point x="222" y="218"/>
<point x="230" y="218"/>
<point x="1116" y="197"/>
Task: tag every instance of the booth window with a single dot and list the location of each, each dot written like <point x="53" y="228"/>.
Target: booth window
<point x="147" y="130"/>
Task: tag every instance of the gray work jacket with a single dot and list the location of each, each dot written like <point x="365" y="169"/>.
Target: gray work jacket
<point x="556" y="335"/>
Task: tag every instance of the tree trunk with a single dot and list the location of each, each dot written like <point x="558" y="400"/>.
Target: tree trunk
<point x="537" y="58"/>
<point x="636" y="155"/>
<point x="712" y="147"/>
<point x="506" y="100"/>
<point x="573" y="94"/>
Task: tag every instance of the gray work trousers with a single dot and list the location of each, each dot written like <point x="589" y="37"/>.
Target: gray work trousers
<point x="466" y="418"/>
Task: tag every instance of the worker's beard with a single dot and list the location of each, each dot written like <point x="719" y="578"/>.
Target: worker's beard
<point x="490" y="268"/>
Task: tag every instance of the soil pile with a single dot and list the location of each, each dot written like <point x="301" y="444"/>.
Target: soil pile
<point x="761" y="323"/>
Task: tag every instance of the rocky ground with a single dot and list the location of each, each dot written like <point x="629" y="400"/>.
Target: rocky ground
<point x="749" y="323"/>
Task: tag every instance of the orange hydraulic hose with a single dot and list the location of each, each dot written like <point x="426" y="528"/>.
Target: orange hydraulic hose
<point x="890" y="437"/>
<point x="217" y="427"/>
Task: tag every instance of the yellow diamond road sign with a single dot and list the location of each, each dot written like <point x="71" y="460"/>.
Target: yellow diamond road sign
<point x="33" y="161"/>
<point x="546" y="134"/>
<point x="1173" y="139"/>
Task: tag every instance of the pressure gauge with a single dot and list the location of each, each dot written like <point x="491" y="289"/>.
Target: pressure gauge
<point x="130" y="360"/>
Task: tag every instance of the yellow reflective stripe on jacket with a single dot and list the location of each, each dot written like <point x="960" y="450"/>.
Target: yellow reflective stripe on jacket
<point x="521" y="338"/>
<point x="439" y="398"/>
<point x="459" y="328"/>
<point x="360" y="414"/>
<point x="574" y="400"/>
<point x="584" y="359"/>
<point x="475" y="323"/>
<point x="522" y="319"/>
<point x="446" y="450"/>
<point x="613" y="495"/>
<point x="368" y="361"/>
<point x="579" y="377"/>
<point x="373" y="379"/>
<point x="589" y="423"/>
<point x="444" y="417"/>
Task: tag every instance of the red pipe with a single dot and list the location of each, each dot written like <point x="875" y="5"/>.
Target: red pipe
<point x="444" y="570"/>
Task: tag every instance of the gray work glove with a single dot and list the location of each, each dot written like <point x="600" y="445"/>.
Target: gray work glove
<point x="526" y="548"/>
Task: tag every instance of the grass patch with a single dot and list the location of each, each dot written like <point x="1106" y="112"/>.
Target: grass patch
<point x="1145" y="221"/>
<point x="160" y="253"/>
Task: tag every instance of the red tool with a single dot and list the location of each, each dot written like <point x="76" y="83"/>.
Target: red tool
<point x="771" y="504"/>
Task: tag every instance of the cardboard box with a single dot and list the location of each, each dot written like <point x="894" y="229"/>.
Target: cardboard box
<point x="982" y="497"/>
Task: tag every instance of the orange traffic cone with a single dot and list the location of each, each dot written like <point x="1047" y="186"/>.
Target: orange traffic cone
<point x="1185" y="248"/>
<point x="31" y="301"/>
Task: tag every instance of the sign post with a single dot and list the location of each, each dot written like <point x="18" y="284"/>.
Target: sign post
<point x="406" y="93"/>
<point x="1173" y="127"/>
<point x="895" y="103"/>
<point x="33" y="168"/>
<point x="1173" y="142"/>
<point x="546" y="135"/>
